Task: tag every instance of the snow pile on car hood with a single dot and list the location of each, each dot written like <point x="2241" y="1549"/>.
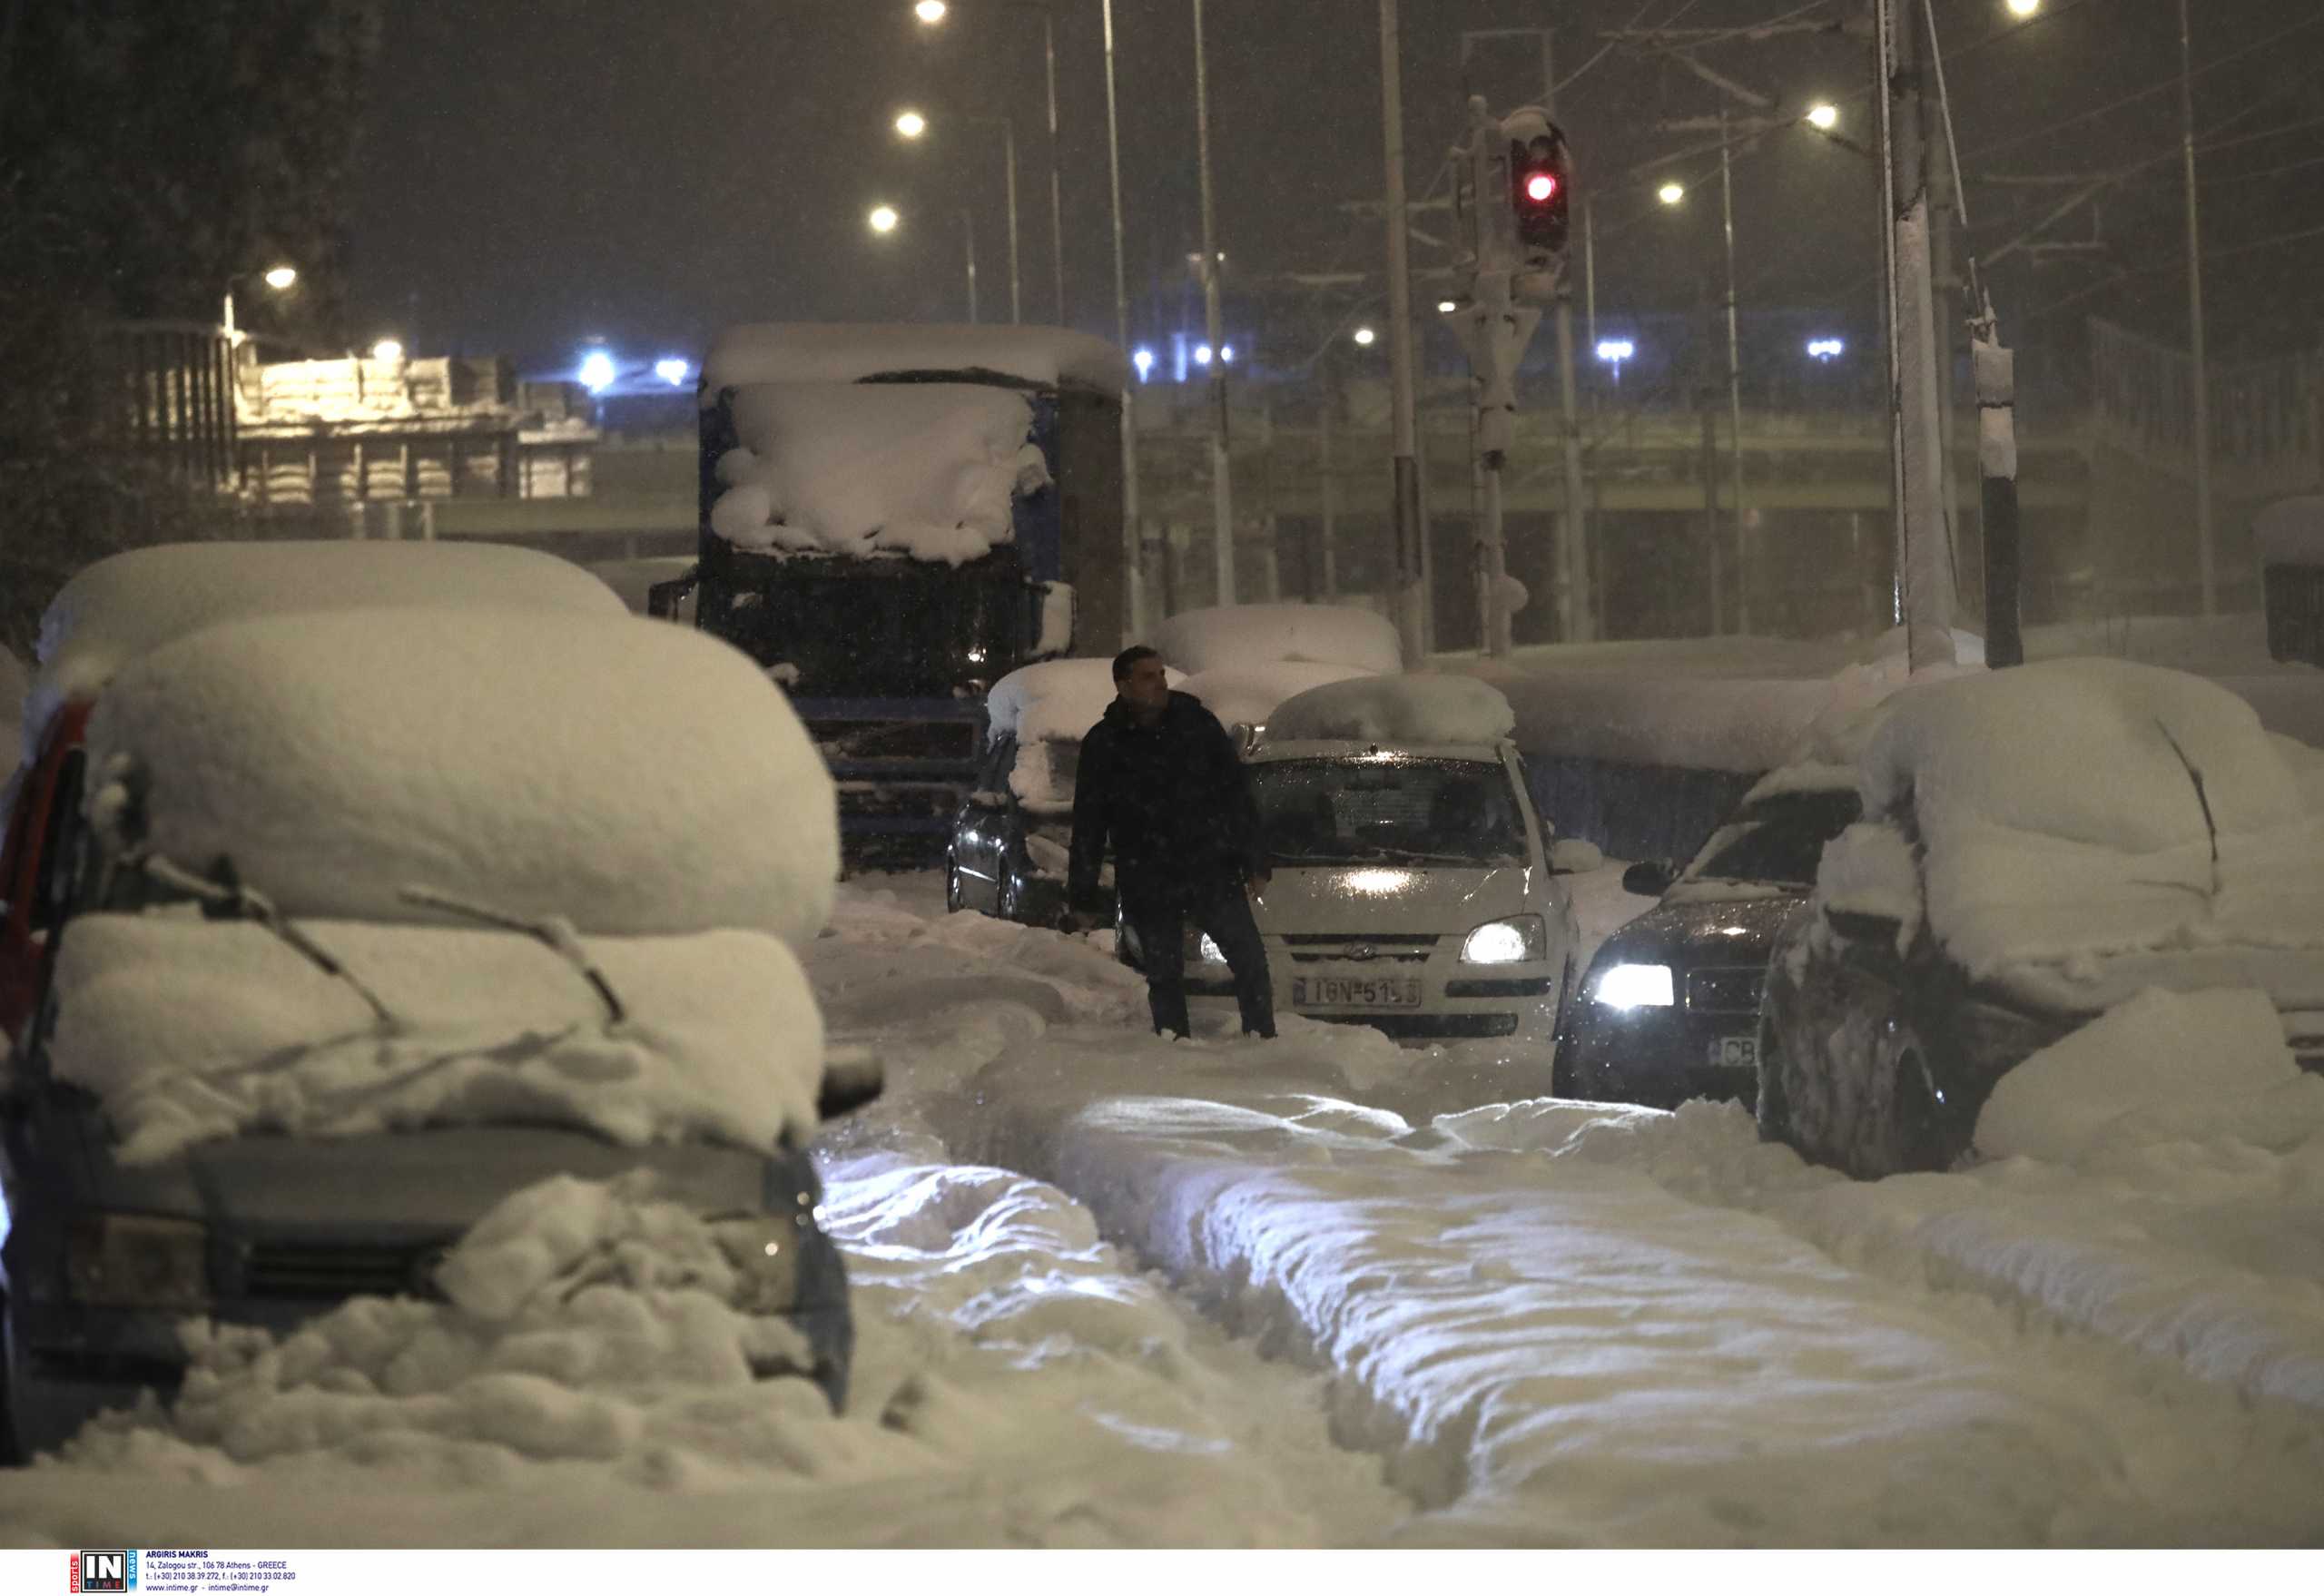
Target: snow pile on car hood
<point x="775" y="352"/>
<point x="188" y="1030"/>
<point x="1245" y="634"/>
<point x="1249" y="695"/>
<point x="1059" y="698"/>
<point x="927" y="469"/>
<point x="2077" y="809"/>
<point x="631" y="776"/>
<point x="1418" y="709"/>
<point x="129" y="604"/>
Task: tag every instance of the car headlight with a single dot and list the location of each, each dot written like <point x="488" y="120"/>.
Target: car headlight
<point x="1201" y="950"/>
<point x="138" y="1261"/>
<point x="1635" y="986"/>
<point x="1523" y="940"/>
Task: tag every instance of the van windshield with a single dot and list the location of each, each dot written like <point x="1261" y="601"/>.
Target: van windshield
<point x="1351" y="811"/>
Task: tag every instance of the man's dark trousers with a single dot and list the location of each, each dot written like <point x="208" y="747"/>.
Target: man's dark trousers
<point x="1223" y="913"/>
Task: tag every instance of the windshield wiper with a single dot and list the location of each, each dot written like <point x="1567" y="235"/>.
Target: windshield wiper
<point x="230" y="896"/>
<point x="554" y="933"/>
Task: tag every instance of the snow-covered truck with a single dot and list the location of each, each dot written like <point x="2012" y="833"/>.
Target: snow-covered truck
<point x="893" y="518"/>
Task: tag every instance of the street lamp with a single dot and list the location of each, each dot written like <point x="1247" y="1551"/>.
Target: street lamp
<point x="2024" y="7"/>
<point x="388" y="349"/>
<point x="1671" y="193"/>
<point x="910" y="124"/>
<point x="1446" y="307"/>
<point x="1825" y="349"/>
<point x="930" y="12"/>
<point x="1824" y="116"/>
<point x="276" y="277"/>
<point x="1364" y="337"/>
<point x="883" y="219"/>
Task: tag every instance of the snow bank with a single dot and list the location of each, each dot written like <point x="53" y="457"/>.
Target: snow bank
<point x="2162" y="1067"/>
<point x="1249" y="695"/>
<point x="1418" y="709"/>
<point x="190" y="1030"/>
<point x="1060" y="698"/>
<point x="927" y="469"/>
<point x="1237" y="635"/>
<point x="633" y="777"/>
<point x="127" y="604"/>
<point x="2062" y="818"/>
<point x="2291" y="532"/>
<point x="1043" y="357"/>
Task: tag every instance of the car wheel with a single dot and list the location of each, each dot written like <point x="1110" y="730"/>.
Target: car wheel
<point x="953" y="898"/>
<point x="1898" y="1129"/>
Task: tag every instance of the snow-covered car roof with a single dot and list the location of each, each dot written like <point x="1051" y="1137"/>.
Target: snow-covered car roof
<point x="932" y="470"/>
<point x="1249" y="695"/>
<point x="1059" y="698"/>
<point x="127" y="604"/>
<point x="2076" y="809"/>
<point x="1413" y="711"/>
<point x="633" y="777"/>
<point x="784" y="352"/>
<point x="1241" y="635"/>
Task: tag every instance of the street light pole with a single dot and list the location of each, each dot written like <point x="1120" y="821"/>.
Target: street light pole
<point x="2205" y="572"/>
<point x="1405" y="512"/>
<point x="1133" y="534"/>
<point x="1057" y="184"/>
<point x="969" y="232"/>
<point x="1734" y="379"/>
<point x="1016" y="282"/>
<point x="1222" y="492"/>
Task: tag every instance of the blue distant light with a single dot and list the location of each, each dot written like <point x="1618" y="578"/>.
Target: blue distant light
<point x="1144" y="360"/>
<point x="672" y="371"/>
<point x="596" y="372"/>
<point x="1615" y="350"/>
<point x="1202" y="354"/>
<point x="1226" y="353"/>
<point x="1825" y="349"/>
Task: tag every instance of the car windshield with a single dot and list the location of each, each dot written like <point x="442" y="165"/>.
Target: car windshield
<point x="1345" y="811"/>
<point x="1779" y="841"/>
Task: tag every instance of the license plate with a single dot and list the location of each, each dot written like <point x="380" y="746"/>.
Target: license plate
<point x="1735" y="1052"/>
<point x="1355" y="991"/>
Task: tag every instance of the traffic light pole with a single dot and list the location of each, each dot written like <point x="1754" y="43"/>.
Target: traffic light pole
<point x="1404" y="510"/>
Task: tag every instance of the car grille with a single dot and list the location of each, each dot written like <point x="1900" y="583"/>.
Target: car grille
<point x="327" y="1271"/>
<point x="1734" y="990"/>
<point x="1310" y="948"/>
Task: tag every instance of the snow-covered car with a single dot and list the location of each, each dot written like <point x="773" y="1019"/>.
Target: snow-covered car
<point x="1415" y="888"/>
<point x="1669" y="1009"/>
<point x="371" y="920"/>
<point x="2039" y="846"/>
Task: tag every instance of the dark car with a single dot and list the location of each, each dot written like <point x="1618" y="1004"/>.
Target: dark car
<point x="2040" y="845"/>
<point x="1013" y="837"/>
<point x="1669" y="1009"/>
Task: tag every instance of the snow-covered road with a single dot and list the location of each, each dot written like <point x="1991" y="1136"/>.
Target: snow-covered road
<point x="1322" y="1291"/>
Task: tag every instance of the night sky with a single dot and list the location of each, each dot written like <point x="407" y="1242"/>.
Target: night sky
<point x="540" y="172"/>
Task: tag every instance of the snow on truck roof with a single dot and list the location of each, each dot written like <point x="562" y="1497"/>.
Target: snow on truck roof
<point x="785" y="352"/>
<point x="128" y="604"/>
<point x="633" y="777"/>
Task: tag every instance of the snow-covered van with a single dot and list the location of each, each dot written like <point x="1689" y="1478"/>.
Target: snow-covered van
<point x="1415" y="888"/>
<point x="368" y="923"/>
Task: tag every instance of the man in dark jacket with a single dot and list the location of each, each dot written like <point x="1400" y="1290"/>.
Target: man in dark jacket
<point x="1160" y="781"/>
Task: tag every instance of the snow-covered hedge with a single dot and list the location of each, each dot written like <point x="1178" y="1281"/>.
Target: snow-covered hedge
<point x="1425" y="709"/>
<point x="632" y="776"/>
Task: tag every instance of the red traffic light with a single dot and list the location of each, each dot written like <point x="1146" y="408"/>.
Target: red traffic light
<point x="1540" y="187"/>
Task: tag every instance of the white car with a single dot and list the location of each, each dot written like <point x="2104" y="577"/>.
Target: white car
<point x="1414" y="891"/>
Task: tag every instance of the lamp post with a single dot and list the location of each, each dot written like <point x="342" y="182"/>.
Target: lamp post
<point x="912" y="126"/>
<point x="279" y="278"/>
<point x="1222" y="490"/>
<point x="930" y="13"/>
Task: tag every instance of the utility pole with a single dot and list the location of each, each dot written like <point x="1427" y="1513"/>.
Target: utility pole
<point x="1056" y="183"/>
<point x="968" y="235"/>
<point x="1133" y="532"/>
<point x="1734" y="379"/>
<point x="1405" y="512"/>
<point x="1924" y="566"/>
<point x="1016" y="282"/>
<point x="2205" y="570"/>
<point x="1222" y="490"/>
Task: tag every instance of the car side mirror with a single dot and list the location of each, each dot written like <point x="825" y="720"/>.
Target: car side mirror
<point x="1649" y="878"/>
<point x="1572" y="856"/>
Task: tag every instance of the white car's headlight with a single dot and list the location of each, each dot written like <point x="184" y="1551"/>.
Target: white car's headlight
<point x="1635" y="986"/>
<point x="1521" y="939"/>
<point x="138" y="1261"/>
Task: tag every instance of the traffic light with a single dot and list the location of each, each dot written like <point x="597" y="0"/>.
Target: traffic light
<point x="1540" y="192"/>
